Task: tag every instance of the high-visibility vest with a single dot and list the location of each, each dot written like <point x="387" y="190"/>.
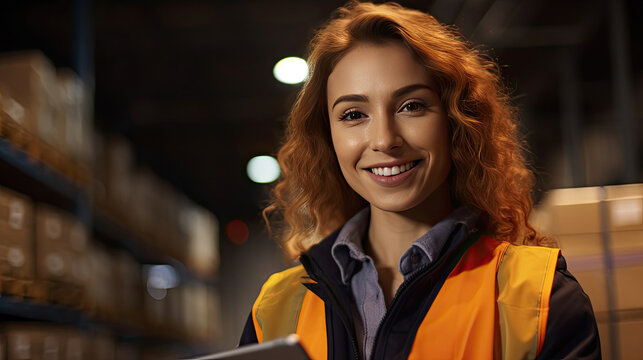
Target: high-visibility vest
<point x="493" y="305"/>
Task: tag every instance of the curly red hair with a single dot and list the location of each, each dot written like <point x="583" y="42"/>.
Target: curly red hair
<point x="489" y="171"/>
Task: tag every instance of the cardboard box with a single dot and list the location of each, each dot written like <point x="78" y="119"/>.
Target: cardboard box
<point x="577" y="211"/>
<point x="570" y="211"/>
<point x="574" y="218"/>
<point x="37" y="341"/>
<point x="100" y="286"/>
<point x="580" y="245"/>
<point x="201" y="311"/>
<point x="61" y="243"/>
<point x="604" y="335"/>
<point x="10" y="109"/>
<point x="16" y="235"/>
<point x="102" y="347"/>
<point x="22" y="345"/>
<point x="76" y="347"/>
<point x="29" y="79"/>
<point x="127" y="284"/>
<point x="201" y="229"/>
<point x="175" y="308"/>
<point x="155" y="306"/>
<point x="75" y="116"/>
<point x="627" y="243"/>
<point x="625" y="207"/>
<point x="630" y="344"/>
<point x="628" y="290"/>
<point x="594" y="284"/>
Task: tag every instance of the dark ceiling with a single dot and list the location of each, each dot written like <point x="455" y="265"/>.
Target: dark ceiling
<point x="190" y="82"/>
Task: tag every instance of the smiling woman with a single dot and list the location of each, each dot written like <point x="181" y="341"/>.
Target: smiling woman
<point x="389" y="118"/>
<point x="406" y="197"/>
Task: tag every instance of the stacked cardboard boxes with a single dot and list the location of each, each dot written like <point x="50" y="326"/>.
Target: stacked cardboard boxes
<point x="600" y="232"/>
<point x="53" y="106"/>
<point x="45" y="341"/>
<point x="61" y="243"/>
<point x="200" y="228"/>
<point x="153" y="210"/>
<point x="74" y="116"/>
<point x="29" y="80"/>
<point x="16" y="235"/>
<point x="45" y="245"/>
<point x="201" y="312"/>
<point x="127" y="285"/>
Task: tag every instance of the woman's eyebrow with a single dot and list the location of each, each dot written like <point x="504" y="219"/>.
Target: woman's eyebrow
<point x="351" y="97"/>
<point x="410" y="88"/>
<point x="397" y="93"/>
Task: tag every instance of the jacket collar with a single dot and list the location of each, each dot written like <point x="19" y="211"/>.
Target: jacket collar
<point x="319" y="262"/>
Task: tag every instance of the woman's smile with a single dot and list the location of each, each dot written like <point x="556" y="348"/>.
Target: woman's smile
<point x="392" y="175"/>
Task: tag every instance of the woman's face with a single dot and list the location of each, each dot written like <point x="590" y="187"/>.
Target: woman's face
<point x="388" y="127"/>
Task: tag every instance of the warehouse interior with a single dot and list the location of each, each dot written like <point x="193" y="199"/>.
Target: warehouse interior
<point x="134" y="231"/>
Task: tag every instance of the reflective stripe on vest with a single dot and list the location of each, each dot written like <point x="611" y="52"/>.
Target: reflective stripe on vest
<point x="471" y="318"/>
<point x="285" y="306"/>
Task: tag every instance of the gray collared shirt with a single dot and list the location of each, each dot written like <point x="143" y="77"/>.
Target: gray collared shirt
<point x="358" y="269"/>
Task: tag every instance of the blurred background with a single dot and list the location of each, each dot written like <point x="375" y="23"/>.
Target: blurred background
<point x="130" y="221"/>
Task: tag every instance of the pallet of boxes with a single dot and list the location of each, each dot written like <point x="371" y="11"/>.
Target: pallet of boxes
<point x="45" y="112"/>
<point x="45" y="341"/>
<point x="51" y="258"/>
<point x="44" y="118"/>
<point x="62" y="265"/>
<point x="16" y="244"/>
<point x="600" y="233"/>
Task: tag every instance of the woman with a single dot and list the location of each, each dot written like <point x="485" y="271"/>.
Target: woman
<point x="404" y="191"/>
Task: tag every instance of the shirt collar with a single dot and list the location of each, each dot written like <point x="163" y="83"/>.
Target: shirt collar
<point x="425" y="250"/>
<point x="348" y="251"/>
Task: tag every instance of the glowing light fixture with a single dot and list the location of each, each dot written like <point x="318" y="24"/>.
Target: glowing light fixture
<point x="159" y="279"/>
<point x="237" y="231"/>
<point x="263" y="169"/>
<point x="291" y="70"/>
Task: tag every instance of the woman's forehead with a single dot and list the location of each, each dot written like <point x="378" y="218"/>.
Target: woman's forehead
<point x="376" y="68"/>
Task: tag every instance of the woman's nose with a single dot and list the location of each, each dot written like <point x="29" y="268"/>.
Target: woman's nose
<point x="385" y="136"/>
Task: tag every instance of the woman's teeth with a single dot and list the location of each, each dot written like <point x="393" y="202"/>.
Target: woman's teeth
<point x="395" y="170"/>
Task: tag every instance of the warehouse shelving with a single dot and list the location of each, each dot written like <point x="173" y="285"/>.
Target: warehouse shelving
<point x="25" y="174"/>
<point x="21" y="172"/>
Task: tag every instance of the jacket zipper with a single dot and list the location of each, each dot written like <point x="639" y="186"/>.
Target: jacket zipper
<point x="348" y="324"/>
<point x="405" y="285"/>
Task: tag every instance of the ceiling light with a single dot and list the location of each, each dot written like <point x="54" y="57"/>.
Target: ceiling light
<point x="291" y="70"/>
<point x="263" y="169"/>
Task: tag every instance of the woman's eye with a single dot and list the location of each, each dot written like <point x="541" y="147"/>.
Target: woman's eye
<point x="413" y="106"/>
<point x="351" y="115"/>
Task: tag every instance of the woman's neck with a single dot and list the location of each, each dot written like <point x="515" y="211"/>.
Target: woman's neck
<point x="390" y="234"/>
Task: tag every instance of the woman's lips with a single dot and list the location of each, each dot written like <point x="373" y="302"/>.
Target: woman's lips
<point x="392" y="180"/>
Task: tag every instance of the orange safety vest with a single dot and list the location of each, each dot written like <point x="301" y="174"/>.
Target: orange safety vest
<point x="493" y="305"/>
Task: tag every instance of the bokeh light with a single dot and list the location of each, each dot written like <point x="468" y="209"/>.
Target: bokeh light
<point x="291" y="70"/>
<point x="159" y="279"/>
<point x="263" y="169"/>
<point x="237" y="232"/>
